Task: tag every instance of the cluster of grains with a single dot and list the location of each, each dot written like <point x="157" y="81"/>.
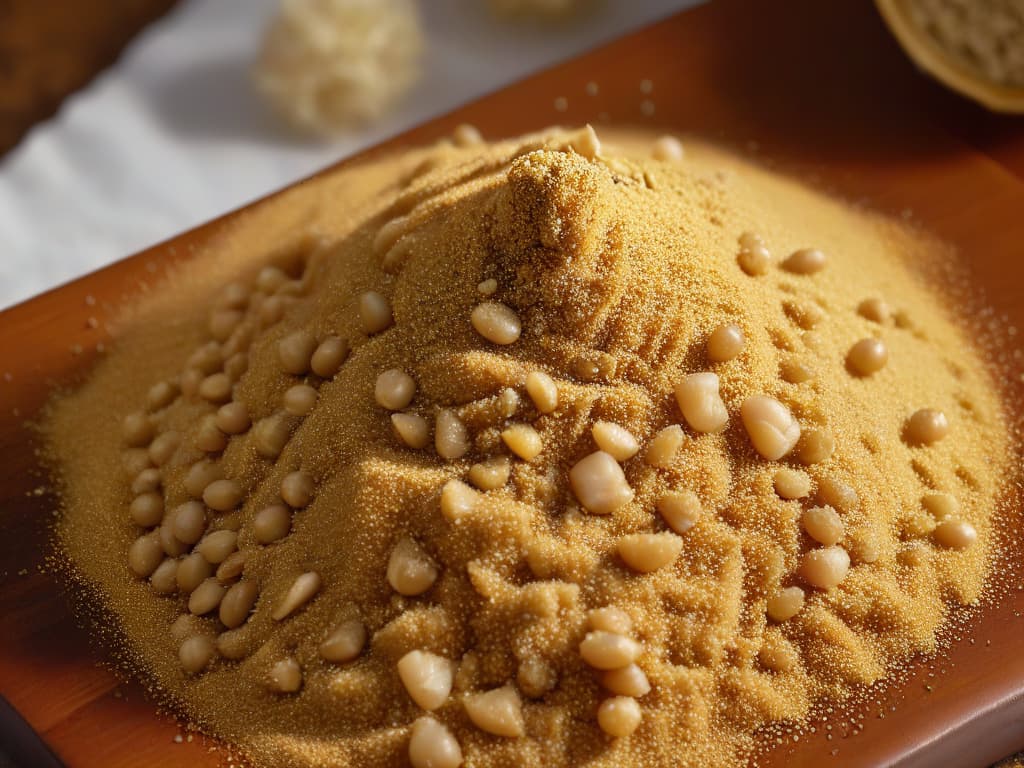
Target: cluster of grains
<point x="328" y="64"/>
<point x="542" y="455"/>
<point x="987" y="38"/>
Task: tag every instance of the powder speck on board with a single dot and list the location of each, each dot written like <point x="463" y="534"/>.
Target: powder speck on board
<point x="539" y="453"/>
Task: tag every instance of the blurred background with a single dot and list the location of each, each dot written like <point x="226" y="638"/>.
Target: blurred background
<point x="124" y="122"/>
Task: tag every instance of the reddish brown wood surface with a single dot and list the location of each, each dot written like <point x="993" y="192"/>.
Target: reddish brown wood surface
<point x="818" y="88"/>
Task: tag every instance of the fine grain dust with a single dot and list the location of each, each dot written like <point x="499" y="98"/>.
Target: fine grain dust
<point x="532" y="454"/>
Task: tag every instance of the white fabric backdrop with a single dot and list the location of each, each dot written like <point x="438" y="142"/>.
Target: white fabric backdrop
<point x="174" y="134"/>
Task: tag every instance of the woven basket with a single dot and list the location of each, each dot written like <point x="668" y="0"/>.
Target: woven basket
<point x="943" y="66"/>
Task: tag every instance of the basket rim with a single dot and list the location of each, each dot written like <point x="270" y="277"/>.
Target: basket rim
<point x="919" y="46"/>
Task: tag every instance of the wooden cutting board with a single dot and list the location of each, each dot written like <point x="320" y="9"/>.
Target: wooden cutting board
<point x="816" y="88"/>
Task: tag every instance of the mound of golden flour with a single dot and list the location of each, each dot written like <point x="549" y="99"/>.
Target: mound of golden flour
<point x="532" y="454"/>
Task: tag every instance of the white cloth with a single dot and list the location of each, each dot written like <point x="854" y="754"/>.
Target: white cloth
<point x="174" y="134"/>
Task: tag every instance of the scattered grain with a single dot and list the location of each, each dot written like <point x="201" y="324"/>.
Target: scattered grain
<point x="876" y="310"/>
<point x="600" y="484"/>
<point x="772" y="429"/>
<point x="815" y="446"/>
<point x="302" y="590"/>
<point x="192" y="571"/>
<point x="164" y="580"/>
<point x="375" y="312"/>
<point x="542" y="390"/>
<point x="614" y="440"/>
<point x="607" y="650"/>
<point x="138" y="429"/>
<point x="206" y="597"/>
<point x="196" y="653"/>
<point x="806" y="261"/>
<point x="499" y="712"/>
<point x="826" y="567"/>
<point x="681" y="510"/>
<point x="867" y="356"/>
<point x="188" y="520"/>
<point x="163" y="447"/>
<point x="664" y="447"/>
<point x="647" y="552"/>
<point x="297" y="489"/>
<point x="272" y="523"/>
<point x="217" y="545"/>
<point x="345" y="642"/>
<point x="700" y="402"/>
<point x="627" y="681"/>
<point x="427" y="678"/>
<point x="145" y="554"/>
<point x="941" y="505"/>
<point x="209" y="437"/>
<point x="146" y="481"/>
<point x="795" y="370"/>
<point x="147" y="509"/>
<point x="432" y="745"/>
<point x="271" y="435"/>
<point x="725" y="343"/>
<point x="523" y="440"/>
<point x="754" y="256"/>
<point x="610" y="619"/>
<point x="496" y="322"/>
<point x="299" y="400"/>
<point x="466" y="135"/>
<point x="491" y="474"/>
<point x="223" y="495"/>
<point x="233" y="418"/>
<point x="410" y="572"/>
<point x="394" y="389"/>
<point x="412" y="429"/>
<point x="792" y="484"/>
<point x="285" y="676"/>
<point x="451" y="439"/>
<point x="295" y="351"/>
<point x="667" y="149"/>
<point x="955" y="534"/>
<point x="823" y="524"/>
<point x="619" y="716"/>
<point x="216" y="388"/>
<point x="785" y="604"/>
<point x="162" y="394"/>
<point x="328" y="357"/>
<point x="926" y="427"/>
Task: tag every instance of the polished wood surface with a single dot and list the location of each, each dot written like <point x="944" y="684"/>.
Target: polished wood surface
<point x="819" y="89"/>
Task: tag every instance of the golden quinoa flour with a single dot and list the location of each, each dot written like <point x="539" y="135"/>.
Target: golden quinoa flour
<point x="532" y="454"/>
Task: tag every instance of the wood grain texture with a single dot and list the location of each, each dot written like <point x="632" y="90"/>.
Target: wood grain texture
<point x="818" y="89"/>
<point x="51" y="48"/>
